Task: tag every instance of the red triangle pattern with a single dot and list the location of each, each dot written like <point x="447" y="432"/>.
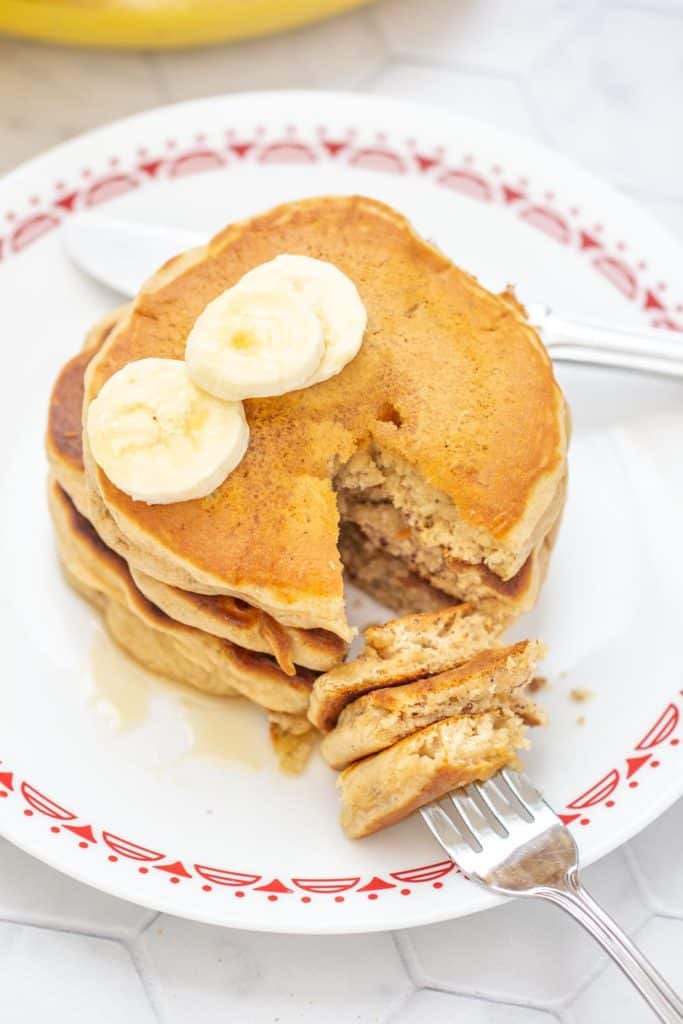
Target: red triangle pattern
<point x="634" y="764"/>
<point x="176" y="868"/>
<point x="511" y="195"/>
<point x="67" y="202"/>
<point x="84" y="831"/>
<point x="333" y="148"/>
<point x="275" y="886"/>
<point x="425" y="163"/>
<point x="6" y="780"/>
<point x="568" y="818"/>
<point x="241" y="148"/>
<point x="151" y="167"/>
<point x="652" y="302"/>
<point x="376" y="883"/>
<point x="587" y="241"/>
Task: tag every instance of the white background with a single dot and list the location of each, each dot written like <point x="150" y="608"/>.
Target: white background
<point x="601" y="82"/>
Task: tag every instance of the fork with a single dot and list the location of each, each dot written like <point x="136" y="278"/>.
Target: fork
<point x="503" y="835"/>
<point x="575" y="340"/>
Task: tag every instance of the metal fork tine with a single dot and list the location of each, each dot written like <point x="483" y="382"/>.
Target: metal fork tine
<point x="446" y="832"/>
<point x="471" y="816"/>
<point x="524" y="790"/>
<point x="478" y="792"/>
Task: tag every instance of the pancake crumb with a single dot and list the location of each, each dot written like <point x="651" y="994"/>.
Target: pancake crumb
<point x="537" y="683"/>
<point x="580" y="696"/>
<point x="581" y="720"/>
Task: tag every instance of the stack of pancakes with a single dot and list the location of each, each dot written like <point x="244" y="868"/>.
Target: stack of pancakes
<point x="432" y="468"/>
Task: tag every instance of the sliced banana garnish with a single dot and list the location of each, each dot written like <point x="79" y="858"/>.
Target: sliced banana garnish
<point x="334" y="299"/>
<point x="255" y="340"/>
<point x="160" y="438"/>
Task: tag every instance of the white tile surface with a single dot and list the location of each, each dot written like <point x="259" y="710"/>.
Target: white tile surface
<point x="610" y="92"/>
<point x="58" y="977"/>
<point x="495" y="35"/>
<point x="657" y="857"/>
<point x="439" y="1008"/>
<point x="498" y="100"/>
<point x="239" y="976"/>
<point x="600" y="81"/>
<point x="611" y="998"/>
<point x="315" y="57"/>
<point x="35" y="894"/>
<point x="482" y="957"/>
<point x="48" y="95"/>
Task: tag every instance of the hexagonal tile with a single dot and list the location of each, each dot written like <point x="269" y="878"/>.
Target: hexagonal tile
<point x="661" y="870"/>
<point x="493" y="34"/>
<point x="335" y="54"/>
<point x="33" y="893"/>
<point x="497" y="100"/>
<point x="58" y="93"/>
<point x="611" y="997"/>
<point x="443" y="1008"/>
<point x="550" y="955"/>
<point x="48" y="975"/>
<point x="216" y="974"/>
<point x="610" y="96"/>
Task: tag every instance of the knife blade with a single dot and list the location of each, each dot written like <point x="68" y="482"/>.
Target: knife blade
<point x="123" y="254"/>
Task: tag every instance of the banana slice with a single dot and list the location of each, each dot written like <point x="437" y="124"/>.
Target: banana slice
<point x="333" y="297"/>
<point x="257" y="339"/>
<point x="160" y="438"/>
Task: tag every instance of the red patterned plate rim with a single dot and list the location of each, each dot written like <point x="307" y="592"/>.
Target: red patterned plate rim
<point x="31" y="220"/>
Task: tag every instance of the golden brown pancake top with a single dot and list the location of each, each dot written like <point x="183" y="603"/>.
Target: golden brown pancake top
<point x="449" y="377"/>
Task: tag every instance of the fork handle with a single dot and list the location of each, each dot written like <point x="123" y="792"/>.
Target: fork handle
<point x="570" y="339"/>
<point x="637" y="968"/>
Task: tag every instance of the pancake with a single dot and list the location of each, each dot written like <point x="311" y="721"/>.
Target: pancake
<point x="293" y="739"/>
<point x="157" y="642"/>
<point x="401" y="650"/>
<point x="491" y="680"/>
<point x="384" y="788"/>
<point x="224" y="617"/>
<point x="450" y="411"/>
<point x="386" y="578"/>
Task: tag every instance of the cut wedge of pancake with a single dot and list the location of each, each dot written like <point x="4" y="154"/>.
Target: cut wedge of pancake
<point x="488" y="681"/>
<point x="224" y="617"/>
<point x="450" y="413"/>
<point x="383" y="789"/>
<point x="156" y="641"/>
<point x="404" y="649"/>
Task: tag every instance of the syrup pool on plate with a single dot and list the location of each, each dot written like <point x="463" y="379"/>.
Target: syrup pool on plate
<point x="122" y="694"/>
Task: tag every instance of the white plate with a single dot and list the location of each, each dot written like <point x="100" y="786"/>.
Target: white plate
<point x="117" y="779"/>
